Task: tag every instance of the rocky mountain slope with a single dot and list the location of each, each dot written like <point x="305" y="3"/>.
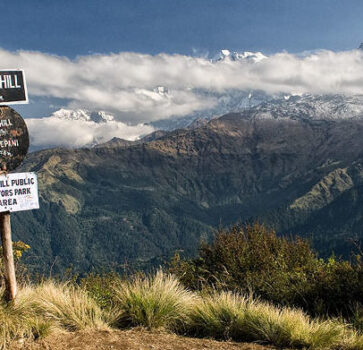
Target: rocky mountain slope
<point x="133" y="204"/>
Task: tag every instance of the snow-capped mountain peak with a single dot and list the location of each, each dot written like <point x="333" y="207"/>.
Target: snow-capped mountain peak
<point x="101" y="117"/>
<point x="225" y="53"/>
<point x="239" y="56"/>
<point x="83" y="115"/>
<point x="161" y="90"/>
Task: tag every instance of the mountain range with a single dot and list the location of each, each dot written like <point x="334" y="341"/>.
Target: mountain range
<point x="295" y="163"/>
<point x="102" y="126"/>
<point x="231" y="100"/>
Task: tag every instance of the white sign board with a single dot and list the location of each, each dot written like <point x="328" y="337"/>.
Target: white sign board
<point x="18" y="191"/>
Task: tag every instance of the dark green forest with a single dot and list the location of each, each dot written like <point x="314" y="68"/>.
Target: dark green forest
<point x="131" y="206"/>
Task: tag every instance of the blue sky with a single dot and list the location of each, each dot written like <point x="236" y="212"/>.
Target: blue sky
<point x="146" y="60"/>
<point x="75" y="27"/>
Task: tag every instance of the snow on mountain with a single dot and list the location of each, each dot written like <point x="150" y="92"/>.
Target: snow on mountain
<point x="161" y="90"/>
<point x="317" y="107"/>
<point x="80" y="128"/>
<point x="231" y="100"/>
<point x="258" y="105"/>
<point x="227" y="101"/>
<point x="224" y="55"/>
<point x="84" y="115"/>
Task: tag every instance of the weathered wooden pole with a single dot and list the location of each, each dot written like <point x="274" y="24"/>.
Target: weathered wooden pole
<point x="14" y="139"/>
<point x="9" y="267"/>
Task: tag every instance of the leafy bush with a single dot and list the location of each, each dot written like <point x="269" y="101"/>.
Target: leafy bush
<point x="284" y="271"/>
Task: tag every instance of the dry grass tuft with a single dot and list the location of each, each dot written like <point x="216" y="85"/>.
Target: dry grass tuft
<point x="69" y="307"/>
<point x="161" y="302"/>
<point x="157" y="301"/>
<point x="19" y="320"/>
<point x="230" y="316"/>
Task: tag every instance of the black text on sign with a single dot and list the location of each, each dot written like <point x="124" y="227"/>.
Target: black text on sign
<point x="18" y="191"/>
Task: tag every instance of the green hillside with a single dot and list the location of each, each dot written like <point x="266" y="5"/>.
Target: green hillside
<point x="131" y="205"/>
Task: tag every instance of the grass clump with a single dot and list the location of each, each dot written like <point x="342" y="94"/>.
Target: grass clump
<point x="160" y="301"/>
<point x="68" y="306"/>
<point x="217" y="315"/>
<point x="38" y="310"/>
<point x="228" y="315"/>
<point x="19" y="320"/>
<point x="157" y="301"/>
<point x="14" y="324"/>
<point x="285" y="327"/>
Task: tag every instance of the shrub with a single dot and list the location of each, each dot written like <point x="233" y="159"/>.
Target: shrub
<point x="101" y="288"/>
<point x="284" y="271"/>
<point x="22" y="277"/>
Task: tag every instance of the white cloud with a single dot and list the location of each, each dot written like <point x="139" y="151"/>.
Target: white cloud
<point x="125" y="82"/>
<point x="54" y="132"/>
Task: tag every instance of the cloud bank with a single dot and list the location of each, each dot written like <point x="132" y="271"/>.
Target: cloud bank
<point x="139" y="88"/>
<point x="126" y="83"/>
<point x="54" y="132"/>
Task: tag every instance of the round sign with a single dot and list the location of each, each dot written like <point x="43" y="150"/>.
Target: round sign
<point x="14" y="139"/>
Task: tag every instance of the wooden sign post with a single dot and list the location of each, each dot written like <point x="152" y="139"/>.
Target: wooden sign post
<point x="14" y="144"/>
<point x="8" y="257"/>
<point x="18" y="191"/>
